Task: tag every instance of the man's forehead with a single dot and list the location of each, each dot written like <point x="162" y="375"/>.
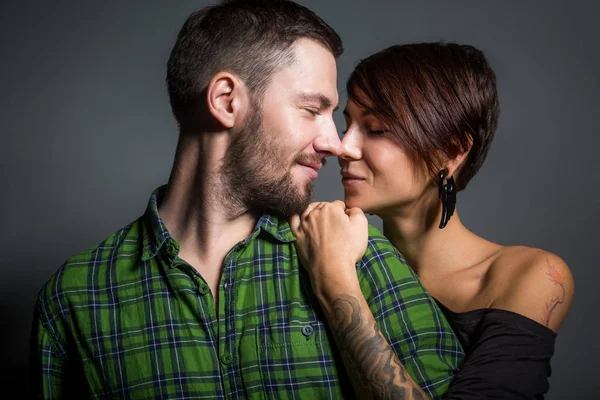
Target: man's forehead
<point x="313" y="60"/>
<point x="311" y="77"/>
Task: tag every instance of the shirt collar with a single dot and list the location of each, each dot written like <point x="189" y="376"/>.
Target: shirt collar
<point x="155" y="233"/>
<point x="279" y="228"/>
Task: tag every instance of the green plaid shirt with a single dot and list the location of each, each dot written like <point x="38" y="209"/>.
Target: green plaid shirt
<point x="129" y="319"/>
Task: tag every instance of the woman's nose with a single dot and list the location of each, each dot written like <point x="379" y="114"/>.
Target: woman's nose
<point x="351" y="145"/>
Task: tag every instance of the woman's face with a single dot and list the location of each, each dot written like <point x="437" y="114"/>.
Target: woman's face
<point x="377" y="173"/>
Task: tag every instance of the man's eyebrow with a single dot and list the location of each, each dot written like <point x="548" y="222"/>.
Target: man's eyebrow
<point x="324" y="101"/>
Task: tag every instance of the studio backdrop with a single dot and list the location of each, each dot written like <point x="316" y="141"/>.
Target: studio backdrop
<point x="87" y="134"/>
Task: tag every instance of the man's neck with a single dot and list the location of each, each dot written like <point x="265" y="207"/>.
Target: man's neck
<point x="197" y="208"/>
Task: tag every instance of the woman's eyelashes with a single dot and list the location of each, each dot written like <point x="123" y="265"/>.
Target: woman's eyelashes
<point x="373" y="132"/>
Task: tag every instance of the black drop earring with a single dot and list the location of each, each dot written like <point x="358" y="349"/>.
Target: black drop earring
<point x="447" y="193"/>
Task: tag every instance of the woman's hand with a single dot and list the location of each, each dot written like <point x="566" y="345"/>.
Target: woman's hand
<point x="330" y="240"/>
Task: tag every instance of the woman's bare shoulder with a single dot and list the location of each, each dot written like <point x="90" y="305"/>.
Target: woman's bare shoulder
<point x="534" y="283"/>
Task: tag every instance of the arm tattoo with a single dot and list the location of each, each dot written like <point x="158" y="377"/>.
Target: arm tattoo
<point x="558" y="279"/>
<point x="372" y="365"/>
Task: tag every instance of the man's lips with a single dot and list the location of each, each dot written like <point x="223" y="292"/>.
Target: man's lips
<point x="314" y="165"/>
<point x="312" y="168"/>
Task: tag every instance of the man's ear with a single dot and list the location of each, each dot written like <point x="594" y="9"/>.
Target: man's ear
<point x="227" y="99"/>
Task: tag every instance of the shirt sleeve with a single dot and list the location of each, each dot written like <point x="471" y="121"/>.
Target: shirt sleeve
<point x="46" y="363"/>
<point x="408" y="317"/>
<point x="509" y="359"/>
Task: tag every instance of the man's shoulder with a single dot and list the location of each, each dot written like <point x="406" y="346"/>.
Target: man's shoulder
<point x="90" y="270"/>
<point x="378" y="241"/>
<point x="375" y="234"/>
<point x="383" y="263"/>
<point x="380" y="252"/>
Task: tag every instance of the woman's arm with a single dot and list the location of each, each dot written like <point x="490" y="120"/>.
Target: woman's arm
<point x="330" y="240"/>
<point x="541" y="290"/>
<point x="372" y="365"/>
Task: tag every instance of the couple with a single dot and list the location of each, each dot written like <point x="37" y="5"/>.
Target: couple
<point x="212" y="293"/>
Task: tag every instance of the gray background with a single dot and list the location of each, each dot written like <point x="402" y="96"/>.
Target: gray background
<point x="87" y="134"/>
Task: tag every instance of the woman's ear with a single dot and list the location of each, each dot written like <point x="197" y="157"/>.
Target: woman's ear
<point x="227" y="99"/>
<point x="454" y="165"/>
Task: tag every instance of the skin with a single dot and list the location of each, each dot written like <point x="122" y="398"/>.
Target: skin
<point x="462" y="270"/>
<point x="200" y="209"/>
<point x="372" y="365"/>
<point x="207" y="216"/>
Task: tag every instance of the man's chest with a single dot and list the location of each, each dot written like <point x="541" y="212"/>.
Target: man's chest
<point x="265" y="339"/>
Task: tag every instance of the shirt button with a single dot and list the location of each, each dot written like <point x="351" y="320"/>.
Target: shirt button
<point x="203" y="288"/>
<point x="307" y="330"/>
<point x="226" y="358"/>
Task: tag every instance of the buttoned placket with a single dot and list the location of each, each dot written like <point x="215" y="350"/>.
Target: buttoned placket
<point x="223" y="319"/>
<point x="227" y="334"/>
<point x="206" y="308"/>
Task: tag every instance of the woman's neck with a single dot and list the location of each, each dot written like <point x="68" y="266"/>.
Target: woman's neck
<point x="425" y="246"/>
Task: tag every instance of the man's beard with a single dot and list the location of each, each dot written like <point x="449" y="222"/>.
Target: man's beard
<point x="252" y="170"/>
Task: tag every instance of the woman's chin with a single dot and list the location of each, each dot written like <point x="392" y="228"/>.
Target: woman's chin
<point x="352" y="202"/>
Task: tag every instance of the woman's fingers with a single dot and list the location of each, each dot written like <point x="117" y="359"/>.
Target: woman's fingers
<point x="355" y="213"/>
<point x="311" y="206"/>
<point x="295" y="224"/>
<point x="340" y="204"/>
<point x="296" y="220"/>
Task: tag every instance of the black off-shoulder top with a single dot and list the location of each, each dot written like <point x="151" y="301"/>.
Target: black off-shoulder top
<point x="508" y="355"/>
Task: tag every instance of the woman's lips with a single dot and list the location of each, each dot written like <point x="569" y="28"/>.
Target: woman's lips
<point x="349" y="179"/>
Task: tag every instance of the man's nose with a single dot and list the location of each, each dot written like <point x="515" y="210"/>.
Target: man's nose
<point x="328" y="143"/>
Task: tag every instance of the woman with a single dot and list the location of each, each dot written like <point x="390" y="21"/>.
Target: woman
<point x="420" y="120"/>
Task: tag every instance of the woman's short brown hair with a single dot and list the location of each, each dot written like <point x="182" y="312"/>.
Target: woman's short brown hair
<point x="436" y="98"/>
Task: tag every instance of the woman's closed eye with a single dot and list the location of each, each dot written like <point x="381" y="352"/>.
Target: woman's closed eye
<point x="374" y="132"/>
<point x="377" y="131"/>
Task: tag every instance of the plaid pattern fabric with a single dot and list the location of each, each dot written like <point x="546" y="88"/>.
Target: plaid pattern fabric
<point x="129" y="319"/>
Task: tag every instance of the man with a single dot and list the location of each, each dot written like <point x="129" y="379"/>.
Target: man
<point x="203" y="296"/>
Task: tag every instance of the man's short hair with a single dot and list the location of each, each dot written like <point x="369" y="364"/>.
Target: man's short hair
<point x="250" y="38"/>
